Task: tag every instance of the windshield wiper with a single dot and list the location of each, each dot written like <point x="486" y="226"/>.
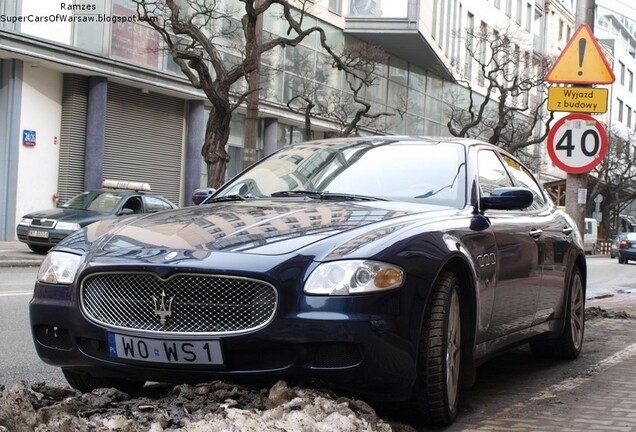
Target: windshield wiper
<point x="336" y="196"/>
<point x="234" y="197"/>
<point x="289" y="193"/>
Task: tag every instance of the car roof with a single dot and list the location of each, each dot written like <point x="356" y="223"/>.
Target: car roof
<point x="390" y="139"/>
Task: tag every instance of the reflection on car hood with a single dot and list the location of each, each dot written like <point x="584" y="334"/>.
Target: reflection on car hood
<point x="267" y="227"/>
<point x="82" y="217"/>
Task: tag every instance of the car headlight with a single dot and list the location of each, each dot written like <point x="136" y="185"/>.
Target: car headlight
<point x="67" y="226"/>
<point x="25" y="221"/>
<point x="353" y="277"/>
<point x="59" y="268"/>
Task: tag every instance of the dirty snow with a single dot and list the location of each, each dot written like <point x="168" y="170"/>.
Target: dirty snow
<point x="210" y="407"/>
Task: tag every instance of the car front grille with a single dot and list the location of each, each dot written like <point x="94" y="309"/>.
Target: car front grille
<point x="46" y="223"/>
<point x="183" y="303"/>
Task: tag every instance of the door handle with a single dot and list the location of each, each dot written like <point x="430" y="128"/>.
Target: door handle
<point x="536" y="233"/>
<point x="567" y="230"/>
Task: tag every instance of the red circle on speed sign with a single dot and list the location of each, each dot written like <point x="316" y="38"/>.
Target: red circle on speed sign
<point x="577" y="143"/>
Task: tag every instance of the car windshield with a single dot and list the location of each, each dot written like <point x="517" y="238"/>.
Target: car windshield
<point x="103" y="202"/>
<point x="401" y="171"/>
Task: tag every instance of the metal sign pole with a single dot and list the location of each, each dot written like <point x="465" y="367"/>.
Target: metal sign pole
<point x="576" y="184"/>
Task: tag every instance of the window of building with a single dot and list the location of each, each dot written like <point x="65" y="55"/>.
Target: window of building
<point x="529" y="16"/>
<point x="631" y="80"/>
<point x="470" y="25"/>
<point x="622" y="73"/>
<point x="509" y="7"/>
<point x="629" y="115"/>
<point x="335" y="6"/>
<point x="498" y="4"/>
<point x="483" y="48"/>
<point x="89" y="35"/>
<point x="519" y="11"/>
<point x="620" y="110"/>
<point x="134" y="41"/>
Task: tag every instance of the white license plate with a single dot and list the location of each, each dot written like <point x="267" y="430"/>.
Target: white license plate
<point x="38" y="234"/>
<point x="165" y="351"/>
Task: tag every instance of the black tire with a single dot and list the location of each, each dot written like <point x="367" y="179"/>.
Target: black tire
<point x="38" y="249"/>
<point x="439" y="357"/>
<point x="569" y="343"/>
<point x="85" y="382"/>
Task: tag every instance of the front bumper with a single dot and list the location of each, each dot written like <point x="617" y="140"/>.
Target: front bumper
<point x="370" y="350"/>
<point x="53" y="236"/>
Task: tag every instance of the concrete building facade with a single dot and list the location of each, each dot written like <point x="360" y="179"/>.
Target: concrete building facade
<point x="84" y="99"/>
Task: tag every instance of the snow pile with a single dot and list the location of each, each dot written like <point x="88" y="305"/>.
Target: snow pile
<point x="211" y="407"/>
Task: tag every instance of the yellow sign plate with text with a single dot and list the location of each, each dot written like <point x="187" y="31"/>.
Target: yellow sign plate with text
<point x="577" y="99"/>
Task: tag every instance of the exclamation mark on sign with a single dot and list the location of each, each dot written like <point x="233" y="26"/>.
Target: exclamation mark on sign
<point x="582" y="44"/>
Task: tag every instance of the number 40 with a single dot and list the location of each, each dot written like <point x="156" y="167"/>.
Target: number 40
<point x="565" y="143"/>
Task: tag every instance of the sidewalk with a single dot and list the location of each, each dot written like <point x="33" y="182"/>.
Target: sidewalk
<point x="18" y="254"/>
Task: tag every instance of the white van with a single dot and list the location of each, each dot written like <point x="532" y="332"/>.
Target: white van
<point x="590" y="235"/>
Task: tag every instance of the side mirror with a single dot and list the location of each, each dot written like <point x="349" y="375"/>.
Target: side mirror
<point x="126" y="212"/>
<point x="507" y="198"/>
<point x="200" y="195"/>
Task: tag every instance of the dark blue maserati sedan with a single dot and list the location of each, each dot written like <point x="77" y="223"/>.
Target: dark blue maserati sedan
<point x="390" y="267"/>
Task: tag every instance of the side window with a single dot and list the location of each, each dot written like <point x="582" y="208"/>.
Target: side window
<point x="134" y="204"/>
<point x="492" y="173"/>
<point x="523" y="178"/>
<point x="154" y="204"/>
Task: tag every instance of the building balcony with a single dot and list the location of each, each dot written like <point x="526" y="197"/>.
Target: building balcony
<point x="403" y="28"/>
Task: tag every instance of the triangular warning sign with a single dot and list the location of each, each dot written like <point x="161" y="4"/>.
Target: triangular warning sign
<point x="581" y="62"/>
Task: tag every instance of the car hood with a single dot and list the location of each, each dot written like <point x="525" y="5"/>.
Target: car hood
<point x="267" y="227"/>
<point x="82" y="217"/>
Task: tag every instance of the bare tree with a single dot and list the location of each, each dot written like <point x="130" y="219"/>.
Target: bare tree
<point x="615" y="179"/>
<point x="351" y="109"/>
<point x="218" y="53"/>
<point x="505" y="105"/>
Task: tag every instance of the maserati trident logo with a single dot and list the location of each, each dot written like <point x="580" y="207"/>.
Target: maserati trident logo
<point x="162" y="310"/>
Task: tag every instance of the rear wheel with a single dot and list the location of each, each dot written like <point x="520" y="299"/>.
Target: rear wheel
<point x="568" y="345"/>
<point x="85" y="382"/>
<point x="439" y="357"/>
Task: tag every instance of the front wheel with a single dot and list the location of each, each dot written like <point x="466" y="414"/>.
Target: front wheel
<point x="568" y="345"/>
<point x="85" y="382"/>
<point x="42" y="250"/>
<point x="439" y="356"/>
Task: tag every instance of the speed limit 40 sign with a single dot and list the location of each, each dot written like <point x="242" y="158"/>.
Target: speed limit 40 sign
<point x="577" y="143"/>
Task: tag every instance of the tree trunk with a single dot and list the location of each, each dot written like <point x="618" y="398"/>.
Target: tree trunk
<point x="217" y="134"/>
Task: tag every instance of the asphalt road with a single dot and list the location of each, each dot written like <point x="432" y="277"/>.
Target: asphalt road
<point x="606" y="276"/>
<point x="18" y="360"/>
